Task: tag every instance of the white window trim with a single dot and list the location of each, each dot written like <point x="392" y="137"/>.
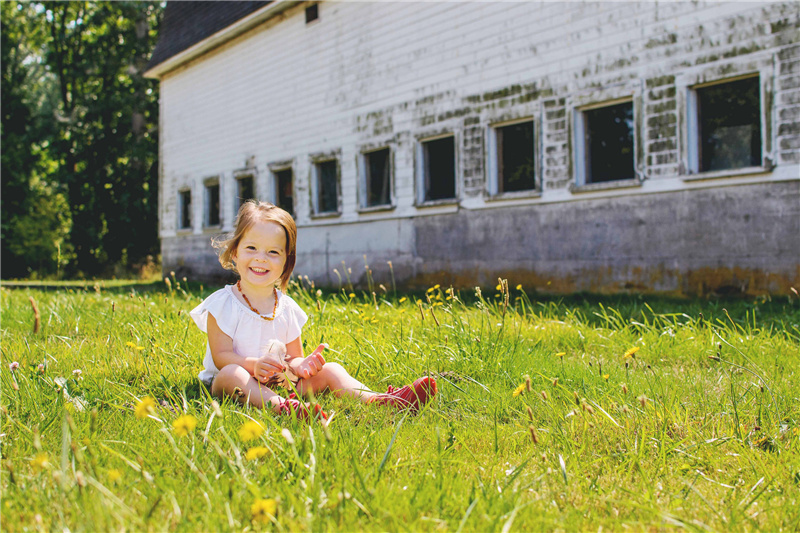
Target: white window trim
<point x="422" y="178"/>
<point x="493" y="183"/>
<point x="179" y="210"/>
<point x="273" y="186"/>
<point x="237" y="177"/>
<point x="314" y="174"/>
<point x="207" y="183"/>
<point x="579" y="143"/>
<point x="761" y="65"/>
<point x="362" y="180"/>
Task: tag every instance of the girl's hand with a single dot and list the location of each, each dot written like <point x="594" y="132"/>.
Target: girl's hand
<point x="311" y="365"/>
<point x="267" y="366"/>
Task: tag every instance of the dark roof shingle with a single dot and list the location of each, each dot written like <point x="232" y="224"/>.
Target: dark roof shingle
<point x="187" y="23"/>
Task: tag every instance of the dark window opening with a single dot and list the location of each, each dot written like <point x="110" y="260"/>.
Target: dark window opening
<point x="185" y="209"/>
<point x="327" y="188"/>
<point x="246" y="190"/>
<point x="312" y="13"/>
<point x="609" y="143"/>
<point x="378" y="176"/>
<point x="213" y="205"/>
<point x="285" y="194"/>
<point x="729" y="121"/>
<point x="440" y="169"/>
<point x="515" y="168"/>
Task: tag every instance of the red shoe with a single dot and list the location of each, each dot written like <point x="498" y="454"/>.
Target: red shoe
<point x="409" y="397"/>
<point x="293" y="407"/>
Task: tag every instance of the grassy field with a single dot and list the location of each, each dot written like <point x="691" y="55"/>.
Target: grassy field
<point x="639" y="414"/>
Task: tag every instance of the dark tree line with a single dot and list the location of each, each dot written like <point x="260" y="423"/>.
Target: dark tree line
<point x="79" y="137"/>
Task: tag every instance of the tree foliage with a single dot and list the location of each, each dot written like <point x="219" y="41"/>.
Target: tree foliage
<point x="80" y="136"/>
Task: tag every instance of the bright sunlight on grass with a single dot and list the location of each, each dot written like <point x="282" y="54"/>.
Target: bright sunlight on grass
<point x="570" y="414"/>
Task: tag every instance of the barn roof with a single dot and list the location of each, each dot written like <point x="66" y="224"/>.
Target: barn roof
<point x="186" y="24"/>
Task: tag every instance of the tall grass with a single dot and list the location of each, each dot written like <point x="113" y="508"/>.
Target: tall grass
<point x="637" y="414"/>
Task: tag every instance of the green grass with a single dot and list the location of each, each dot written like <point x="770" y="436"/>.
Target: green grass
<point x="698" y="431"/>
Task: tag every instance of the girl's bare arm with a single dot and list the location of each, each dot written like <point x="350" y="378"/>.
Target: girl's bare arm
<point x="222" y="352"/>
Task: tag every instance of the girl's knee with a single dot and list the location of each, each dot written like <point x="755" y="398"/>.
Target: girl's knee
<point x="230" y="377"/>
<point x="333" y="367"/>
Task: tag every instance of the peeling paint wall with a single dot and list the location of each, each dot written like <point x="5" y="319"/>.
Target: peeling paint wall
<point x="373" y="75"/>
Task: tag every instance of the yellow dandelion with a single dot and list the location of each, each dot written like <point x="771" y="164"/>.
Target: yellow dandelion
<point x="256" y="452"/>
<point x="430" y="290"/>
<point x="519" y="287"/>
<point x="351" y="295"/>
<point x="436" y="286"/>
<point x="130" y="344"/>
<point x="139" y="348"/>
<point x="183" y="425"/>
<point x="114" y="475"/>
<point x="403" y="299"/>
<point x="145" y="407"/>
<point x="40" y="461"/>
<point x="561" y="354"/>
<point x="631" y="353"/>
<point x="498" y="287"/>
<point x="263" y="510"/>
<point x="519" y="390"/>
<point x="250" y="430"/>
<point x="605" y="377"/>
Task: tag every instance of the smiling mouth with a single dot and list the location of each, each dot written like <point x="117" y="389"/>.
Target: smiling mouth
<point x="259" y="270"/>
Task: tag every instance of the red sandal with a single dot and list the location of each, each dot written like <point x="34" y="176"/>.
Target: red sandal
<point x="294" y="407"/>
<point x="409" y="397"/>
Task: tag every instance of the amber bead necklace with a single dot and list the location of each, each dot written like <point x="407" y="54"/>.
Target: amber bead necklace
<point x="274" y="293"/>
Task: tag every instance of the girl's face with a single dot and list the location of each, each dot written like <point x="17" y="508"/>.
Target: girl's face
<point x="261" y="255"/>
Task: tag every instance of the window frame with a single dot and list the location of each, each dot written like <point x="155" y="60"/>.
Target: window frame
<point x="363" y="182"/>
<point x="274" y="170"/>
<point x="314" y="186"/>
<point x="687" y="83"/>
<point x="422" y="177"/>
<point x="181" y="209"/>
<point x="237" y="199"/>
<point x="492" y="156"/>
<point x="579" y="152"/>
<point x="207" y="184"/>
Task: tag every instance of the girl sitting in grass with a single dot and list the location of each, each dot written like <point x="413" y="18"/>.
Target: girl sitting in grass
<point x="241" y="319"/>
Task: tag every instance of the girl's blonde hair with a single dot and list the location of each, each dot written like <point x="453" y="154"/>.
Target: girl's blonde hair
<point x="251" y="212"/>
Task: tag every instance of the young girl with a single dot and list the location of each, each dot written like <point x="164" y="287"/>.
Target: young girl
<point x="240" y="319"/>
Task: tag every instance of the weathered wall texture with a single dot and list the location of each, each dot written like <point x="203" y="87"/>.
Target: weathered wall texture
<point x="369" y="75"/>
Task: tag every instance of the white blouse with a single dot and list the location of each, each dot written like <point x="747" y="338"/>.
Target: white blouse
<point x="246" y="328"/>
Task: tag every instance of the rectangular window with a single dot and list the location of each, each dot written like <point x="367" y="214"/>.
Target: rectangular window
<point x="326" y="187"/>
<point x="377" y="178"/>
<point x="515" y="169"/>
<point x="185" y="209"/>
<point x="728" y="125"/>
<point x="312" y="13"/>
<point x="608" y="149"/>
<point x="212" y="204"/>
<point x="284" y="190"/>
<point x="245" y="190"/>
<point x="438" y="169"/>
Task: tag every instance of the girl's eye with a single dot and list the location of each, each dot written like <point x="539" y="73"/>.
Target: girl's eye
<point x="250" y="248"/>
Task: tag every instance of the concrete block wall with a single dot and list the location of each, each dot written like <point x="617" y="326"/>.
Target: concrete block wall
<point x="369" y="75"/>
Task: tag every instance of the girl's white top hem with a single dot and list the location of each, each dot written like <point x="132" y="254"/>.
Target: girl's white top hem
<point x="246" y="328"/>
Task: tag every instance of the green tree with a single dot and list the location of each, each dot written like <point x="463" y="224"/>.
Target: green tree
<point x="36" y="218"/>
<point x="97" y="145"/>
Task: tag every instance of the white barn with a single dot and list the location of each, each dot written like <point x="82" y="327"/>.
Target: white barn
<point x="605" y="146"/>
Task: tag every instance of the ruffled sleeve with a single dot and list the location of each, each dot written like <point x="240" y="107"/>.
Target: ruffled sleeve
<point x="225" y="311"/>
<point x="295" y="317"/>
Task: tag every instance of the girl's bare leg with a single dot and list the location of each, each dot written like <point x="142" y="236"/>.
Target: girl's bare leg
<point x="233" y="377"/>
<point x="334" y="377"/>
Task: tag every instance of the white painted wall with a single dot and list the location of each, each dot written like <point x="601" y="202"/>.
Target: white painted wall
<point x="287" y="91"/>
